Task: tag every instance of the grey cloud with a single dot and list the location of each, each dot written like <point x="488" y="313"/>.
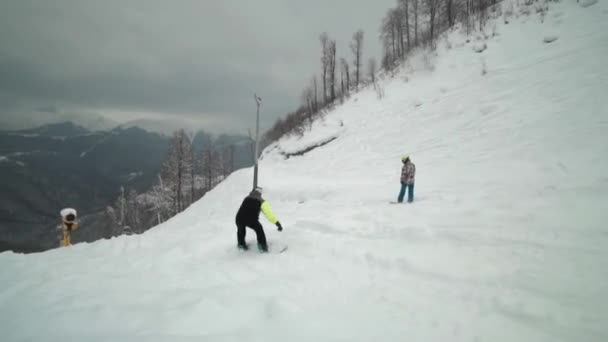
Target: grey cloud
<point x="180" y="58"/>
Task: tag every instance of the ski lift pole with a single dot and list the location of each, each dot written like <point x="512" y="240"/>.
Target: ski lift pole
<point x="258" y="101"/>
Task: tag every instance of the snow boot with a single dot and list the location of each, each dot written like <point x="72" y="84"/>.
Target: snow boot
<point x="263" y="248"/>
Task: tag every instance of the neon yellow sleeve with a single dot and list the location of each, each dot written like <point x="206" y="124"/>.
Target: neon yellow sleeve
<point x="268" y="213"/>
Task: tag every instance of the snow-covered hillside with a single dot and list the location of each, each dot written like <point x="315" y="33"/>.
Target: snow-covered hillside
<point x="506" y="241"/>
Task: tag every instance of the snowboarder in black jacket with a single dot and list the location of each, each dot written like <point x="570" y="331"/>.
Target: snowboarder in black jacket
<point x="249" y="216"/>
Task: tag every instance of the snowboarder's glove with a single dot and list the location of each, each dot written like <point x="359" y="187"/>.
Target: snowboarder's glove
<point x="279" y="227"/>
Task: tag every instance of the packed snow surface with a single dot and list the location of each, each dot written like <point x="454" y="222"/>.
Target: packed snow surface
<point x="507" y="239"/>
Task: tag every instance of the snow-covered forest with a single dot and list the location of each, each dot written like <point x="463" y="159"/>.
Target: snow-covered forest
<point x="186" y="175"/>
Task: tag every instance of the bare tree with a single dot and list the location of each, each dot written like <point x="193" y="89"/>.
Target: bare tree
<point x="396" y="35"/>
<point x="310" y="111"/>
<point x="345" y="72"/>
<point x="111" y="215"/>
<point x="161" y="201"/>
<point x="316" y="93"/>
<point x="390" y="37"/>
<point x="431" y="7"/>
<point x="356" y="47"/>
<point x="126" y="215"/>
<point x="212" y="162"/>
<point x="449" y="12"/>
<point x="176" y="167"/>
<point x="415" y="22"/>
<point x="307" y="102"/>
<point x="191" y="136"/>
<point x="481" y="9"/>
<point x="324" y="38"/>
<point x="398" y="18"/>
<point x="400" y="32"/>
<point x="342" y="85"/>
<point x="332" y="70"/>
<point x="372" y="67"/>
<point x="229" y="160"/>
<point x="406" y="15"/>
<point x="387" y="63"/>
<point x="133" y="213"/>
<point x="121" y="207"/>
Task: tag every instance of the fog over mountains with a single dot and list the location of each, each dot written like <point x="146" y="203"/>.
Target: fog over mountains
<point x="65" y="165"/>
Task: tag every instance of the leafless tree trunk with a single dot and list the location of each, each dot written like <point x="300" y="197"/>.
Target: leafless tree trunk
<point x="393" y="26"/>
<point x="209" y="165"/>
<point x="432" y="11"/>
<point x="342" y="91"/>
<point x="386" y="57"/>
<point x="481" y="6"/>
<point x="468" y="16"/>
<point x="307" y="102"/>
<point x="208" y="168"/>
<point x="449" y="4"/>
<point x="122" y="203"/>
<point x="177" y="165"/>
<point x="133" y="212"/>
<point x="399" y="33"/>
<point x="162" y="203"/>
<point x="332" y="69"/>
<point x="390" y="37"/>
<point x="415" y="22"/>
<point x="324" y="62"/>
<point x="316" y="92"/>
<point x="346" y="72"/>
<point x="310" y="112"/>
<point x="356" y="47"/>
<point x="191" y="136"/>
<point x="372" y="67"/>
<point x="405" y="5"/>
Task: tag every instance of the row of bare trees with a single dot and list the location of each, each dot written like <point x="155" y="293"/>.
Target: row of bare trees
<point x="407" y="26"/>
<point x="185" y="176"/>
<point x="318" y="96"/>
<point x="414" y="23"/>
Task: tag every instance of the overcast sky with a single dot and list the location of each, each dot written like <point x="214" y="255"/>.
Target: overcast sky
<point x="196" y="62"/>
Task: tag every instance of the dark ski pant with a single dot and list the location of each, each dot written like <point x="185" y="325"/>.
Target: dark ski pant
<point x="256" y="226"/>
<point x="410" y="193"/>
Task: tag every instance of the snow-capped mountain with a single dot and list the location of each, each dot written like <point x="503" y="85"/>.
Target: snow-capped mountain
<point x="164" y="127"/>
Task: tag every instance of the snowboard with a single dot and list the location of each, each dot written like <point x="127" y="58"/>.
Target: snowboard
<point x="273" y="248"/>
<point x="278" y="249"/>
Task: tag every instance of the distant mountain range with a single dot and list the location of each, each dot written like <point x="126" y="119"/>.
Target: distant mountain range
<point x="64" y="165"/>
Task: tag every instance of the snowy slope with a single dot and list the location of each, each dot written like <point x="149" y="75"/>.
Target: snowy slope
<point x="506" y="241"/>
